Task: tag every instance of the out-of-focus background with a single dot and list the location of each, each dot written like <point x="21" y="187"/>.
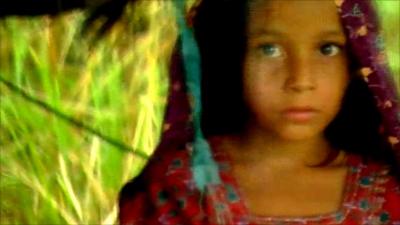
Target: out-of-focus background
<point x="53" y="171"/>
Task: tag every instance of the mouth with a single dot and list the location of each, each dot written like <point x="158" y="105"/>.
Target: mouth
<point x="299" y="114"/>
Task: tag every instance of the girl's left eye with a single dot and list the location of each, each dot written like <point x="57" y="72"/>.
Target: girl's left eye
<point x="330" y="49"/>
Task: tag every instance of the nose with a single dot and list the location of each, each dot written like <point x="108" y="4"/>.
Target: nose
<point x="301" y="74"/>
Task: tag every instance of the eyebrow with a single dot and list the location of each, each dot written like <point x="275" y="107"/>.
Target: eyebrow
<point x="278" y="33"/>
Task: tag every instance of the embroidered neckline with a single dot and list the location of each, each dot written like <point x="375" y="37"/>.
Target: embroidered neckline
<point x="354" y="168"/>
<point x="348" y="197"/>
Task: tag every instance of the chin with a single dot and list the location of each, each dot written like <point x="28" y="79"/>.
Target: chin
<point x="289" y="131"/>
<point x="299" y="133"/>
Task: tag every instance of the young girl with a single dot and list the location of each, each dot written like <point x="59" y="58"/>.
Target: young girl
<point x="299" y="120"/>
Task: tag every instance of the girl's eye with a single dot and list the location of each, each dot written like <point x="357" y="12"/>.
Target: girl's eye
<point x="330" y="49"/>
<point x="271" y="50"/>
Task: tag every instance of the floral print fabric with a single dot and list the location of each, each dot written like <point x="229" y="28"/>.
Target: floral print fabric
<point x="372" y="196"/>
<point x="362" y="30"/>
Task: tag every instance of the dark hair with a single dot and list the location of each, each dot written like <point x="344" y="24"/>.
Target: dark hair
<point x="219" y="28"/>
<point x="220" y="32"/>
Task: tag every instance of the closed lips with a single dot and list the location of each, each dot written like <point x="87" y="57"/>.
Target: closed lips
<point x="300" y="114"/>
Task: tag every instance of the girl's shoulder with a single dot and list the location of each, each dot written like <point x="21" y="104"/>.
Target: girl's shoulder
<point x="377" y="190"/>
<point x="163" y="192"/>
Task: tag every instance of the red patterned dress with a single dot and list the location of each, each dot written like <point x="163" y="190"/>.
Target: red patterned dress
<point x="371" y="197"/>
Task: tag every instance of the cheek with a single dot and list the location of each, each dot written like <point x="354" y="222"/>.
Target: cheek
<point x="260" y="77"/>
<point x="260" y="87"/>
<point x="332" y="90"/>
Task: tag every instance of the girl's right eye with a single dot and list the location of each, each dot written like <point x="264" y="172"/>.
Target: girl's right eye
<point x="271" y="50"/>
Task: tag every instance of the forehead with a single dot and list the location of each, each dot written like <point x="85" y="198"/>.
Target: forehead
<point x="294" y="16"/>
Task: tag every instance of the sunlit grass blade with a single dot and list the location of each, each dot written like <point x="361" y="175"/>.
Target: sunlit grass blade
<point x="65" y="183"/>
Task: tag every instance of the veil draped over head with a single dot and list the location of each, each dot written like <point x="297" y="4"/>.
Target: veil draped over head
<point x="181" y="183"/>
<point x="363" y="34"/>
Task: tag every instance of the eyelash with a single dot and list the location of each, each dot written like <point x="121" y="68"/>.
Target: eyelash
<point x="340" y="47"/>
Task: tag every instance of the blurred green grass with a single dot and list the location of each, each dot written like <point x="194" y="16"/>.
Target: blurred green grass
<point x="54" y="173"/>
<point x="389" y="13"/>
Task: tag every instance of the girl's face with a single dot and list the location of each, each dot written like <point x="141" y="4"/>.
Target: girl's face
<point x="295" y="67"/>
